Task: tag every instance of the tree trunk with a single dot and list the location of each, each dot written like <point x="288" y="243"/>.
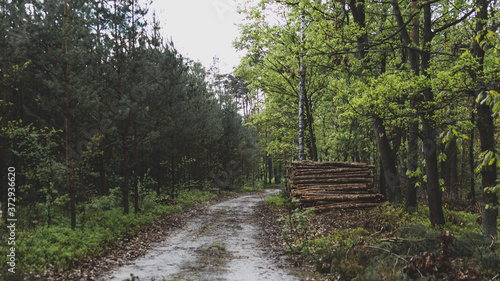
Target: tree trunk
<point x="388" y="161"/>
<point x="310" y="126"/>
<point x="265" y="169"/>
<point x="136" y="171"/>
<point x="270" y="167"/>
<point x="157" y="161"/>
<point x="486" y="129"/>
<point x="302" y="90"/>
<point x="126" y="169"/>
<point x="449" y="167"/>
<point x="382" y="184"/>
<point x="429" y="135"/>
<point x="68" y="123"/>
<point x="413" y="58"/>
<point x="434" y="196"/>
<point x="411" y="189"/>
<point x="277" y="173"/>
<point x="472" y="186"/>
<point x="358" y="13"/>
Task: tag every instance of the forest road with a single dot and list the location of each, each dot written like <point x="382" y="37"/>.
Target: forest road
<point x="223" y="244"/>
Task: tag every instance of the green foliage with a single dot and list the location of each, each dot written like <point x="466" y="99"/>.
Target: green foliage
<point x="61" y="247"/>
<point x="361" y="254"/>
<point x="296" y="232"/>
<point x="191" y="197"/>
<point x="358" y="254"/>
<point x="277" y="201"/>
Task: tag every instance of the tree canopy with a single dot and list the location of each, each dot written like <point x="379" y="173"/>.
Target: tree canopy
<point x="392" y="83"/>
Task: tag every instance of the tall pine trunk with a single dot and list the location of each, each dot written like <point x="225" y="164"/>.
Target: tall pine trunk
<point x="101" y="159"/>
<point x="68" y="121"/>
<point x="136" y="171"/>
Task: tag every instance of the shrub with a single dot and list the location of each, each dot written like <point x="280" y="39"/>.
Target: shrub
<point x="277" y="201"/>
<point x="102" y="223"/>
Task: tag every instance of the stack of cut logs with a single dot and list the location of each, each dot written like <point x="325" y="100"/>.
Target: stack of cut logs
<point x="332" y="185"/>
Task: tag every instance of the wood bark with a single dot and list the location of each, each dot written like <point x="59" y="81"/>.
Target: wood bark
<point x="332" y="185"/>
<point x="486" y="129"/>
<point x="411" y="189"/>
<point x="101" y="159"/>
<point x="123" y="121"/>
<point x="310" y="125"/>
<point x="302" y="89"/>
<point x="388" y="162"/>
<point x="68" y="121"/>
<point x="472" y="177"/>
<point x="428" y="125"/>
<point x="449" y="167"/>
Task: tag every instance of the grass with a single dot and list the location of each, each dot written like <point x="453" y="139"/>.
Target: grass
<point x="219" y="247"/>
<point x="277" y="201"/>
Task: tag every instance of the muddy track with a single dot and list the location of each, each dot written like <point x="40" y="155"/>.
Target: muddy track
<point x="222" y="244"/>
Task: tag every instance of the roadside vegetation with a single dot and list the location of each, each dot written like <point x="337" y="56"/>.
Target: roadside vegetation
<point x="101" y="225"/>
<point x="386" y="243"/>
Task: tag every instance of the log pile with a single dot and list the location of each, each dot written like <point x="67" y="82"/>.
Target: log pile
<point x="332" y="185"/>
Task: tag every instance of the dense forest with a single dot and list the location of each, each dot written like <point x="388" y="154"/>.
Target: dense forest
<point x="92" y="99"/>
<point x="105" y="125"/>
<point x="411" y="86"/>
<point x="95" y="105"/>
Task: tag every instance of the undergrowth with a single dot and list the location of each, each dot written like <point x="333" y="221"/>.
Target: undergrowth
<point x="388" y="243"/>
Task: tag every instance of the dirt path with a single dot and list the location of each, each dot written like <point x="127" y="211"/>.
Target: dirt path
<point x="224" y="244"/>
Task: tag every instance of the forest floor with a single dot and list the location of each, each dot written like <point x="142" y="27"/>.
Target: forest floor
<point x="223" y="241"/>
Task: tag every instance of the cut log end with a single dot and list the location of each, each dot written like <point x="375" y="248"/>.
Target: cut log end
<point x="332" y="185"/>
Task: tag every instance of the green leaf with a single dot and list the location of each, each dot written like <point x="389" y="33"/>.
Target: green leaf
<point x="459" y="143"/>
<point x="480" y="97"/>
